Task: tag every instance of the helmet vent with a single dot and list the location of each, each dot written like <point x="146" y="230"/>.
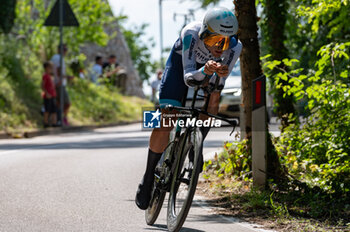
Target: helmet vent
<point x="226" y="26"/>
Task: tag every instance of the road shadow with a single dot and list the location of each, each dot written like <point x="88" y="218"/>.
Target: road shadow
<point x="103" y="143"/>
<point x="159" y="227"/>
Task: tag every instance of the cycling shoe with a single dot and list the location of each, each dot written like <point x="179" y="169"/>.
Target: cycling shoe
<point x="143" y="194"/>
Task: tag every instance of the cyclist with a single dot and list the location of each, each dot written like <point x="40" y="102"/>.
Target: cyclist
<point x="204" y="49"/>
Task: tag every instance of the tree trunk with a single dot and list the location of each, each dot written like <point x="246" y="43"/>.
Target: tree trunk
<point x="250" y="55"/>
<point x="276" y="16"/>
<point x="251" y="69"/>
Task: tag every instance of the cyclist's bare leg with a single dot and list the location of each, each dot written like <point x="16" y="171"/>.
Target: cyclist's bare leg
<point x="213" y="106"/>
<point x="159" y="139"/>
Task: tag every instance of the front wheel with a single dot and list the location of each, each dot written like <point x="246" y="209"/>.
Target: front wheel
<point x="184" y="182"/>
<point x="155" y="206"/>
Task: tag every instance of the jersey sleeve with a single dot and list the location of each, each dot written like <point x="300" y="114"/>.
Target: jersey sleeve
<point x="189" y="44"/>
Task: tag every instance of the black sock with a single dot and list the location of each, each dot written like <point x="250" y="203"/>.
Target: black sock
<point x="152" y="161"/>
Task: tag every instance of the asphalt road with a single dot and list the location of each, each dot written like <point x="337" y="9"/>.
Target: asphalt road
<point x="86" y="181"/>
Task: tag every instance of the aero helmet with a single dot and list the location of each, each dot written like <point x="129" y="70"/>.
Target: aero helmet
<point x="218" y="28"/>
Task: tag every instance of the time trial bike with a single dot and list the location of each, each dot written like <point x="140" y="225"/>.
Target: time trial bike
<point x="178" y="170"/>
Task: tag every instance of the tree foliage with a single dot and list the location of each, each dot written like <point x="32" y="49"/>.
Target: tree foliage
<point x="43" y="41"/>
<point x="312" y="24"/>
<point x="317" y="150"/>
<point x="139" y="50"/>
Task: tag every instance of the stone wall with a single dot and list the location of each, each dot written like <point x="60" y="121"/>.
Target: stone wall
<point x="117" y="46"/>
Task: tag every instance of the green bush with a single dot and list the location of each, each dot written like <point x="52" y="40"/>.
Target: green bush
<point x="234" y="161"/>
<point x="20" y="100"/>
<point x="316" y="151"/>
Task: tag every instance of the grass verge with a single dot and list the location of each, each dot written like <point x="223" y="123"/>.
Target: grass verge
<point x="91" y="105"/>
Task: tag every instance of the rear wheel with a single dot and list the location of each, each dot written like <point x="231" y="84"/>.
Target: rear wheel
<point x="184" y="182"/>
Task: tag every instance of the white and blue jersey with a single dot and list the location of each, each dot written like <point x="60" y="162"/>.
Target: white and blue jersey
<point x="186" y="61"/>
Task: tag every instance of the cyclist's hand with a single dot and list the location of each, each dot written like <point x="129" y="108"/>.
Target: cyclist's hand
<point x="210" y="67"/>
<point x="222" y="70"/>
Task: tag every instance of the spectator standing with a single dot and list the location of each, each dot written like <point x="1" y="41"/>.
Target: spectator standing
<point x="110" y="69"/>
<point x="61" y="82"/>
<point x="49" y="96"/>
<point x="97" y="70"/>
<point x="155" y="86"/>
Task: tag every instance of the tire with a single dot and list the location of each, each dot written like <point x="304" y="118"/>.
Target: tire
<point x="155" y="206"/>
<point x="176" y="217"/>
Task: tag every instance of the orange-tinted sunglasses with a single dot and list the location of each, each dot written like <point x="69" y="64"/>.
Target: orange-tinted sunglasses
<point x="219" y="41"/>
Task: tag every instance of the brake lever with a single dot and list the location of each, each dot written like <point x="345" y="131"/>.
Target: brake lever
<point x="233" y="130"/>
<point x="234" y="125"/>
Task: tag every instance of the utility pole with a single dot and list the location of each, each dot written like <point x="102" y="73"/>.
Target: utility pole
<point x="187" y="17"/>
<point x="61" y="15"/>
<point x="161" y="33"/>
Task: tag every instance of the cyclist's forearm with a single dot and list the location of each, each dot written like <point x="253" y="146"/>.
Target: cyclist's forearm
<point x="197" y="75"/>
